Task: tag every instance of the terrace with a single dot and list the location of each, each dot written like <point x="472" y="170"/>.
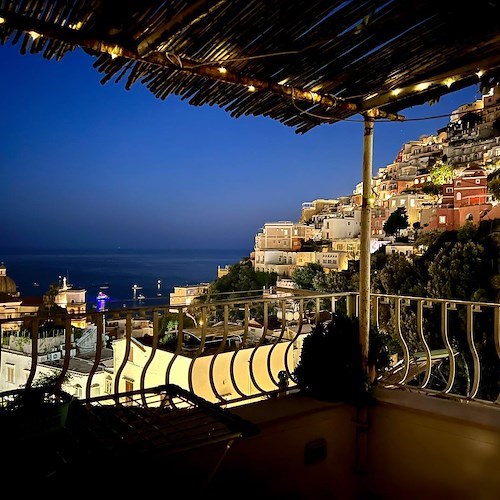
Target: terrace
<point x="434" y="428"/>
<point x="439" y="395"/>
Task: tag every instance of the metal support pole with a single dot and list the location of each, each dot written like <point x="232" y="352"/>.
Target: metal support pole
<point x="361" y="458"/>
<point x="364" y="260"/>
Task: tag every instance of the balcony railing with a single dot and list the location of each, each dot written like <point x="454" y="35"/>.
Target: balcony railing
<point x="229" y="352"/>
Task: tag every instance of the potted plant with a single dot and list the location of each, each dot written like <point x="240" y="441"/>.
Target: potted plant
<point x="330" y="365"/>
<point x="35" y="411"/>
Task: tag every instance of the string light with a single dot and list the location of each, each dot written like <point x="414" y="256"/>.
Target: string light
<point x="115" y="52"/>
<point x="449" y="82"/>
<point x="396" y="92"/>
<point x="222" y="70"/>
<point x="75" y="26"/>
<point x="336" y="119"/>
<point x="2" y="20"/>
<point x="480" y="73"/>
<point x="251" y="88"/>
<point x="422" y="86"/>
<point x="34" y="35"/>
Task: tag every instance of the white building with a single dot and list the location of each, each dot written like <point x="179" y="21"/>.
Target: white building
<point x="275" y="261"/>
<point x="341" y="225"/>
<point x="17" y="362"/>
<point x="284" y="235"/>
<point x="184" y="295"/>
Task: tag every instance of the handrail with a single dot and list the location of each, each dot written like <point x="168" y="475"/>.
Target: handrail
<point x="441" y="345"/>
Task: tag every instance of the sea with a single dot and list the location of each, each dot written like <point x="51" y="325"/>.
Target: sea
<point x="123" y="275"/>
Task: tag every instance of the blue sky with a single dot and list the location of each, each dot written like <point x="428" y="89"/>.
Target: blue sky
<point x="85" y="165"/>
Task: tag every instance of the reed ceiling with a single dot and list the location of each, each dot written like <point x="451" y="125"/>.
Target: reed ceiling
<point x="301" y="62"/>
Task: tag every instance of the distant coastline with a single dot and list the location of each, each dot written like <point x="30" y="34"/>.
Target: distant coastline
<point x="34" y="270"/>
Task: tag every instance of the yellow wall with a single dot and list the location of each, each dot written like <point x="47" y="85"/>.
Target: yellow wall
<point x="203" y="369"/>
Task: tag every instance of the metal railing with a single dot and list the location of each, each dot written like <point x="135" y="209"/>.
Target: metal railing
<point x="228" y="352"/>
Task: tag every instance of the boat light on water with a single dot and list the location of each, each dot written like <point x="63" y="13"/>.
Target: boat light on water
<point x="102" y="296"/>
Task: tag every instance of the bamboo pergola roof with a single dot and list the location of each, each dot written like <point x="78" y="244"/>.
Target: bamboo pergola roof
<point x="301" y="62"/>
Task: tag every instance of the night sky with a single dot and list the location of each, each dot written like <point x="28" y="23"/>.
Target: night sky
<point x="85" y="165"/>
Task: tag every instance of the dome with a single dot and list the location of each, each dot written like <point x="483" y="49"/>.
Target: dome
<point x="7" y="285"/>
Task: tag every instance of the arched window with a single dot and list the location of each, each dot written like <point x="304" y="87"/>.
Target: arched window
<point x="469" y="217"/>
<point x="459" y="196"/>
<point x="78" y="391"/>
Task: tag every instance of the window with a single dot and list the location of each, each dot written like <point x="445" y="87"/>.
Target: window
<point x="459" y="196"/>
<point x="10" y="374"/>
<point x="469" y="217"/>
<point x="78" y="391"/>
<point x="108" y="387"/>
<point x="412" y="202"/>
<point x="478" y="181"/>
<point x="402" y="202"/>
<point x="95" y="390"/>
<point x="442" y="219"/>
<point x="449" y="190"/>
<point x="129" y="386"/>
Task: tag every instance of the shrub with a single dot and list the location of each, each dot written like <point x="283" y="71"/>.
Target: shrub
<point x="330" y="365"/>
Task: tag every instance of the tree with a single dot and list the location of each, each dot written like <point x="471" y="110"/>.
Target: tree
<point x="397" y="276"/>
<point x="442" y="174"/>
<point x="241" y="277"/>
<point x="431" y="189"/>
<point x="494" y="187"/>
<point x="467" y="232"/>
<point x="456" y="271"/>
<point x="304" y="276"/>
<point x="333" y="282"/>
<point x="397" y="221"/>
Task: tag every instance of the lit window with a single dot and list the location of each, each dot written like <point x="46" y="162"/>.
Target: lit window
<point x="108" y="388"/>
<point x="78" y="391"/>
<point x="478" y="181"/>
<point x="442" y="219"/>
<point x="95" y="391"/>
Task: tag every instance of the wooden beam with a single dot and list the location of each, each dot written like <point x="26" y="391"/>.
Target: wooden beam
<point x="443" y="83"/>
<point x="79" y="37"/>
